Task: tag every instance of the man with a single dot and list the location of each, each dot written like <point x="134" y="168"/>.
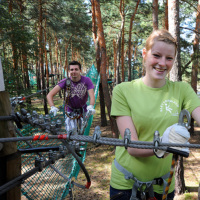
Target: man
<point x="77" y="89"/>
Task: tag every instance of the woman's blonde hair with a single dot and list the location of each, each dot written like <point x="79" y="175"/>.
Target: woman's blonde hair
<point x="160" y="35"/>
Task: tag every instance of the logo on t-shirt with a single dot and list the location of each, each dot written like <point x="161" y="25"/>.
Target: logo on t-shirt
<point x="79" y="90"/>
<point x="170" y="107"/>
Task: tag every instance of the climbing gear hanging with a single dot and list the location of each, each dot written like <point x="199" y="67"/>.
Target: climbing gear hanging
<point x="138" y="185"/>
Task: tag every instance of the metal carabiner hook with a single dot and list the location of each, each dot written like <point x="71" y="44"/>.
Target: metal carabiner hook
<point x="127" y="137"/>
<point x="182" y="114"/>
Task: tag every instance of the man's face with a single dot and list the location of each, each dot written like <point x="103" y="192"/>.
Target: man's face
<point x="75" y="72"/>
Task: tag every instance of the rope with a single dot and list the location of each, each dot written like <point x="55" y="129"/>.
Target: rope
<point x="174" y="159"/>
<point x="102" y="140"/>
<point x="31" y="95"/>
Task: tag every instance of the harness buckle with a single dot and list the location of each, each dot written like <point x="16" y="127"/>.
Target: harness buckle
<point x="158" y="181"/>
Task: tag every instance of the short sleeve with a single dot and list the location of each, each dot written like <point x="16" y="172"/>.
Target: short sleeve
<point x="191" y="100"/>
<point x="89" y="84"/>
<point x="62" y="83"/>
<point x="119" y="105"/>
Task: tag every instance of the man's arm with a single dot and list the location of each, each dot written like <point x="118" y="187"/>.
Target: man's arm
<point x="51" y="94"/>
<point x="92" y="97"/>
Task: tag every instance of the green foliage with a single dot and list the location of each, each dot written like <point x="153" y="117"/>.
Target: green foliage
<point x="71" y="21"/>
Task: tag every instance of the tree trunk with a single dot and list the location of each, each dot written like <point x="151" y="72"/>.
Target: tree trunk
<point x="118" y="60"/>
<point x="57" y="64"/>
<point x="45" y="53"/>
<point x="195" y="59"/>
<point x="130" y="43"/>
<point x="155" y="14"/>
<point x="199" y="192"/>
<point x="51" y="62"/>
<point x="122" y="45"/>
<point x="24" y="52"/>
<point x="102" y="44"/>
<point x="37" y="67"/>
<point x="179" y="177"/>
<point x="173" y="11"/>
<point x="41" y="51"/>
<point x="166" y="15"/>
<point x="66" y="59"/>
<point x="10" y="160"/>
<point x="98" y="62"/>
<point x="115" y="60"/>
<point x="175" y="75"/>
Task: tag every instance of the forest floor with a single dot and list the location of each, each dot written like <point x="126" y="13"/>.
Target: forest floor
<point x="98" y="163"/>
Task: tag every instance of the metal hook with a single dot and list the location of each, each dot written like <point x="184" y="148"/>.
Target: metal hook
<point x="127" y="137"/>
<point x="182" y="114"/>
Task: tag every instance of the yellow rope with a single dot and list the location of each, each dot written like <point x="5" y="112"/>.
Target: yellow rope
<point x="174" y="159"/>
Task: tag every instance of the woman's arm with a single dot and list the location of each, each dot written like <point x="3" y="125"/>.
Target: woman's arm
<point x="124" y="122"/>
<point x="196" y="115"/>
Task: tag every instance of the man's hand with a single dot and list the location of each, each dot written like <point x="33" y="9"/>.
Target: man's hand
<point x="174" y="134"/>
<point x="91" y="108"/>
<point x="54" y="110"/>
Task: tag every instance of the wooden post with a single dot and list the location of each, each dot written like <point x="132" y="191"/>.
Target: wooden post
<point x="10" y="160"/>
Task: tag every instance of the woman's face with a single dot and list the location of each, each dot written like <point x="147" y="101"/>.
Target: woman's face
<point x="159" y="60"/>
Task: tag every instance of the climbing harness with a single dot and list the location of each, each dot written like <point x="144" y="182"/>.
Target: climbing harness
<point x="148" y="186"/>
<point x="138" y="185"/>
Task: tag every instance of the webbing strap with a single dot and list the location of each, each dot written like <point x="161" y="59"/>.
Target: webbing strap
<point x="138" y="184"/>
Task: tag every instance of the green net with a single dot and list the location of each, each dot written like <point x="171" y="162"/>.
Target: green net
<point x="51" y="182"/>
<point x="32" y="78"/>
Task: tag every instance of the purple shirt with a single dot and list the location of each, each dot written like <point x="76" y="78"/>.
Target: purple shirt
<point x="79" y="95"/>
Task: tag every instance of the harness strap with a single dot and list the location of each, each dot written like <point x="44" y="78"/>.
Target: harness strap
<point x="138" y="184"/>
<point x="76" y="112"/>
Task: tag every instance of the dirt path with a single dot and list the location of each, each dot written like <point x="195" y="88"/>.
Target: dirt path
<point x="192" y="165"/>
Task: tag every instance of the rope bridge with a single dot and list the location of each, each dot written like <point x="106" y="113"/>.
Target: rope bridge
<point x="54" y="181"/>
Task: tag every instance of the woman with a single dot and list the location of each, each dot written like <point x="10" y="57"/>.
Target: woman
<point x="145" y="105"/>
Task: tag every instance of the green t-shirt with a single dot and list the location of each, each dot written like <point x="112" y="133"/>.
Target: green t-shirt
<point x="151" y="109"/>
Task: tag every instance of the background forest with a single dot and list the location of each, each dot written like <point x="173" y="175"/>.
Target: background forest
<point x="39" y="38"/>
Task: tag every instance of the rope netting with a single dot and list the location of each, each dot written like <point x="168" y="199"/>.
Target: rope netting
<point x="54" y="181"/>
